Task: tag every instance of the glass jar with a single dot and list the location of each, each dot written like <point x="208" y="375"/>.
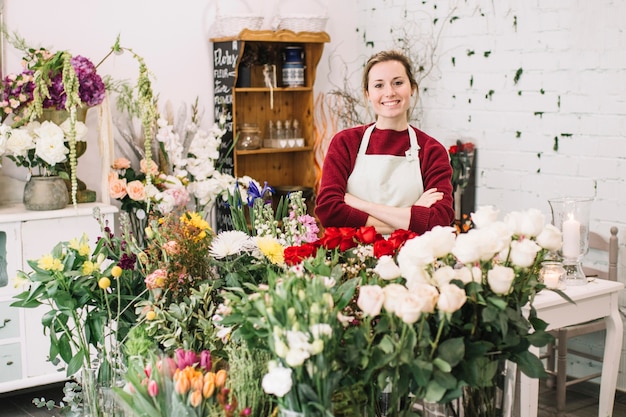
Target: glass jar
<point x="552" y="275"/>
<point x="249" y="137"/>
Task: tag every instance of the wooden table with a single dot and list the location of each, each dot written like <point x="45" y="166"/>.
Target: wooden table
<point x="597" y="299"/>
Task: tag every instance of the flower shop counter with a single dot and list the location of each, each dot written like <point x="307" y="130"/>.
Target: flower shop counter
<point x="597" y="299"/>
<point x="25" y="235"/>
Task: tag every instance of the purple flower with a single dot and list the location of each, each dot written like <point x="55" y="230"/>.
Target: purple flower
<point x="91" y="88"/>
<point x="185" y="358"/>
<point x="254" y="192"/>
<point x="205" y="360"/>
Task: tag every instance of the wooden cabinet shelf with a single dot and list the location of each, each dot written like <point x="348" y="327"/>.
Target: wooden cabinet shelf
<point x="259" y="103"/>
<point x="275" y="150"/>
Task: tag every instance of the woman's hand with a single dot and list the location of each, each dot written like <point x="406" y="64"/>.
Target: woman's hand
<point x="429" y="197"/>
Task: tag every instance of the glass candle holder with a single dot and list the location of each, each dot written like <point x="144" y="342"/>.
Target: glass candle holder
<point x="553" y="275"/>
<point x="571" y="216"/>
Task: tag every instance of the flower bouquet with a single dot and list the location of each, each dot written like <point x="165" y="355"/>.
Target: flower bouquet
<point x="187" y="384"/>
<point x="296" y="317"/>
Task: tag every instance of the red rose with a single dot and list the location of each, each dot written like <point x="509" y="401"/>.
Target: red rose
<point x="398" y="237"/>
<point x="348" y="238"/>
<point x="332" y="238"/>
<point x="296" y="254"/>
<point x="367" y="235"/>
<point x="384" y="247"/>
<point x="454" y="149"/>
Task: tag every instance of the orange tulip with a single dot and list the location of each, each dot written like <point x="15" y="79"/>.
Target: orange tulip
<point x="220" y="378"/>
<point x="196" y="398"/>
<point x="209" y="388"/>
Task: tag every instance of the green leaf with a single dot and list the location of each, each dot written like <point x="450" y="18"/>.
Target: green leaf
<point x="76" y="363"/>
<point x="540" y="338"/>
<point x="442" y="365"/>
<point x="452" y="351"/>
<point x="530" y="364"/>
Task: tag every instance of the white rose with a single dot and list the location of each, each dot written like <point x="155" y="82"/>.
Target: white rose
<point x="451" y="298"/>
<point x="523" y="252"/>
<point x="277" y="381"/>
<point x="20" y="142"/>
<point x="371" y="299"/>
<point x="416" y="251"/>
<point x="493" y="239"/>
<point x="500" y="279"/>
<point x="387" y="268"/>
<point x="441" y="240"/>
<point x="297" y="340"/>
<point x="444" y="275"/>
<point x="528" y="223"/>
<point x="393" y="293"/>
<point x="51" y="149"/>
<point x="484" y="216"/>
<point x="409" y="308"/>
<point x="464" y="275"/>
<point x="428" y="295"/>
<point x="466" y="248"/>
<point x="418" y="276"/>
<point x="550" y="238"/>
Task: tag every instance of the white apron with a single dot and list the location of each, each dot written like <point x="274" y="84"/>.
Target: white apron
<point x="387" y="179"/>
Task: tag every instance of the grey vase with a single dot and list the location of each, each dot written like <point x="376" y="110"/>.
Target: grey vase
<point x="45" y="193"/>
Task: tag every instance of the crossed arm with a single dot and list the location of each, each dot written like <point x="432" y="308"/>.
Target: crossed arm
<point x="386" y="219"/>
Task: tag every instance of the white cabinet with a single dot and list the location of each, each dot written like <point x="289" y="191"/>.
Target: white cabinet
<point x="26" y="235"/>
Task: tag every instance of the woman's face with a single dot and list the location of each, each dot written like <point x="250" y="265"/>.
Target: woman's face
<point x="389" y="90"/>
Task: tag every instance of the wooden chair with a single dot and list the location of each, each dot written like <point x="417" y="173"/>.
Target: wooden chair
<point x="559" y="378"/>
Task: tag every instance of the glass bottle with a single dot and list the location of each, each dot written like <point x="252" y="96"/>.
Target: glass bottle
<point x="280" y="132"/>
<point x="271" y="131"/>
<point x="297" y="132"/>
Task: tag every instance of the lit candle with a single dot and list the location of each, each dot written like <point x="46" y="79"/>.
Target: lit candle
<point x="551" y="279"/>
<point x="571" y="238"/>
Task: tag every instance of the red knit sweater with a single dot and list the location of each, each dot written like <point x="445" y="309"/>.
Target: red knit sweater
<point x="339" y="163"/>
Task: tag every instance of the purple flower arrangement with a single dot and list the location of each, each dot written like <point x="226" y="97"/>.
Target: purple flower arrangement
<point x="91" y="87"/>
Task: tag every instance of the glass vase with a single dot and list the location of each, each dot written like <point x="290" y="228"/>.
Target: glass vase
<point x="433" y="409"/>
<point x="495" y="400"/>
<point x="99" y="398"/>
<point x="571" y="216"/>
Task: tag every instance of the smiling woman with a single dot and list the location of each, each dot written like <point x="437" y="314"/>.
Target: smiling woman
<point x="388" y="174"/>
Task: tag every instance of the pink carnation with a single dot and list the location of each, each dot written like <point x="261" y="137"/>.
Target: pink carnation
<point x="156" y="279"/>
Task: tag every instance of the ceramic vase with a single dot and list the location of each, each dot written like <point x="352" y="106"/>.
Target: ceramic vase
<point x="45" y="193"/>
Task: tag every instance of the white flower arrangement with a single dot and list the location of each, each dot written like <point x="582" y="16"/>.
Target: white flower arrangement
<point x="38" y="145"/>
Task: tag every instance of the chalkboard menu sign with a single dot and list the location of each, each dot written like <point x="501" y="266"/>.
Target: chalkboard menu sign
<point x="225" y="58"/>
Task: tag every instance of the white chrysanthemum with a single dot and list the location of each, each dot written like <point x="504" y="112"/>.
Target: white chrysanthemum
<point x="229" y="243"/>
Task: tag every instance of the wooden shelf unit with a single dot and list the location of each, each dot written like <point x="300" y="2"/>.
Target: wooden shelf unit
<point x="259" y="104"/>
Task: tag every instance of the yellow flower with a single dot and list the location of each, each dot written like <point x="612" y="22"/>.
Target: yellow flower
<point x="116" y="271"/>
<point x="194" y="219"/>
<point x="50" y="263"/>
<point x="272" y="249"/>
<point x="104" y="283"/>
<point x="88" y="268"/>
<point x="150" y="315"/>
<point x="81" y="246"/>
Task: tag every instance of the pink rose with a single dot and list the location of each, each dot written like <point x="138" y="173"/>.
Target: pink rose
<point x="143" y="165"/>
<point x="117" y="187"/>
<point x="121" y="163"/>
<point x="136" y="190"/>
<point x="171" y="247"/>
